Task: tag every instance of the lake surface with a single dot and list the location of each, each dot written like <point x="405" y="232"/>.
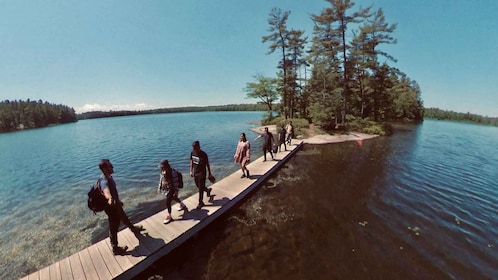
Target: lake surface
<point x="46" y="174"/>
<point x="418" y="205"/>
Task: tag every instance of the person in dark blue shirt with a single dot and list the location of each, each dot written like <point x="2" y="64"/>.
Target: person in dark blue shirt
<point x="114" y="208"/>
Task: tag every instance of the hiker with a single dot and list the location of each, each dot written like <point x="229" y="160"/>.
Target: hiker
<point x="267" y="142"/>
<point x="281" y="137"/>
<point x="243" y="154"/>
<point x="169" y="183"/>
<point x="199" y="162"/>
<point x="114" y="208"/>
<point x="290" y="132"/>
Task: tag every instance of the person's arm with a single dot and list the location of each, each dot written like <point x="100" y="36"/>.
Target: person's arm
<point x="108" y="196"/>
<point x="208" y="166"/>
<point x="191" y="167"/>
<point x="259" y="136"/>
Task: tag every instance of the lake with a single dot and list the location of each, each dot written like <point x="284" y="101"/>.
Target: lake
<point x="418" y="205"/>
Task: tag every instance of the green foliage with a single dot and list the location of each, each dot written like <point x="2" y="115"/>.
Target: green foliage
<point x="368" y="126"/>
<point x="18" y="114"/>
<point x="348" y="69"/>
<point x="298" y="123"/>
<point x="435" y="113"/>
<point x="219" y="108"/>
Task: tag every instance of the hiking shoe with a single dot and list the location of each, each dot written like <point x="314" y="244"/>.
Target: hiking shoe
<point x="182" y="207"/>
<point x="167" y="220"/>
<point x="116" y="250"/>
<point x="200" y="205"/>
<point x="137" y="229"/>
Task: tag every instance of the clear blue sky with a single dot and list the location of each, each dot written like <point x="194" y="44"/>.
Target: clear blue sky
<point x="102" y="55"/>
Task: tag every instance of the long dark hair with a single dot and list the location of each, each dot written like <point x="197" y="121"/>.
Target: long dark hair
<point x="244" y="135"/>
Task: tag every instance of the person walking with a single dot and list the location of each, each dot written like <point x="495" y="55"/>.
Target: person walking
<point x="114" y="207"/>
<point x="199" y="162"/>
<point x="169" y="183"/>
<point x="267" y="142"/>
<point x="243" y="154"/>
<point x="281" y="137"/>
<point x="290" y="132"/>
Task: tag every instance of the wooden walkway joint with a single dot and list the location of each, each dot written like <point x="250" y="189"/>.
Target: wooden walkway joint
<point x="158" y="240"/>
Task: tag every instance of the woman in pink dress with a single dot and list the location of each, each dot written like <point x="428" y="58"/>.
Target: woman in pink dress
<point x="243" y="154"/>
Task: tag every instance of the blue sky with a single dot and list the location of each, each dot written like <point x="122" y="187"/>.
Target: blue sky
<point x="102" y="55"/>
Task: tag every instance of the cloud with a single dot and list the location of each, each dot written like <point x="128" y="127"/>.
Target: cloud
<point x="106" y="108"/>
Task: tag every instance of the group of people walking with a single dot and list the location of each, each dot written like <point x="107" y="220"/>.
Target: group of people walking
<point x="169" y="180"/>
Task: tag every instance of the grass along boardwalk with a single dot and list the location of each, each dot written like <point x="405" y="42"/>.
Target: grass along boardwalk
<point x="158" y="240"/>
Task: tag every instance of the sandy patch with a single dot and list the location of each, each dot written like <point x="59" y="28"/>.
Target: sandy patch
<point x="322" y="138"/>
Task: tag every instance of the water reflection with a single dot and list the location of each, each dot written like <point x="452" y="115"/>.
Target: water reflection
<point x="312" y="220"/>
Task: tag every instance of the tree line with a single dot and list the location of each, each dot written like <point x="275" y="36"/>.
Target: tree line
<point x="18" y="114"/>
<point x="435" y="113"/>
<point x="216" y="108"/>
<point x="339" y="74"/>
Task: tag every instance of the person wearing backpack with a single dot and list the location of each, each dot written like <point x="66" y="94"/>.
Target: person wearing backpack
<point x="170" y="181"/>
<point x="114" y="208"/>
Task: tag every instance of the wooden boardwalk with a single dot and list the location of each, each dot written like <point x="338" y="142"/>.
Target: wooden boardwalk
<point x="98" y="261"/>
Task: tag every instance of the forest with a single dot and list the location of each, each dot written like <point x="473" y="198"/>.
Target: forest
<point x="18" y="114"/>
<point x="225" y="108"/>
<point x="340" y="74"/>
<point x="435" y="113"/>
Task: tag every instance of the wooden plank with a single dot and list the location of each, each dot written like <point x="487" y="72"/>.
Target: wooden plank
<point x="112" y="264"/>
<point x="123" y="261"/>
<point x="32" y="276"/>
<point x="65" y="267"/>
<point x="99" y="263"/>
<point x="55" y="272"/>
<point x="45" y="273"/>
<point x="87" y="264"/>
<point x="76" y="266"/>
<point x="135" y="252"/>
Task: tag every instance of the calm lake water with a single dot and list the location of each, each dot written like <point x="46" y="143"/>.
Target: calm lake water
<point x="418" y="205"/>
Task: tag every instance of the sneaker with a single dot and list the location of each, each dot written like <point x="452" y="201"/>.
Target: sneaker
<point x="209" y="191"/>
<point x="167" y="220"/>
<point x="243" y="175"/>
<point x="116" y="250"/>
<point x="137" y="229"/>
<point x="182" y="207"/>
<point x="200" y="205"/>
<point x="248" y="173"/>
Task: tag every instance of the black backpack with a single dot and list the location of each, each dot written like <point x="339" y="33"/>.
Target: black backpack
<point x="96" y="198"/>
<point x="177" y="179"/>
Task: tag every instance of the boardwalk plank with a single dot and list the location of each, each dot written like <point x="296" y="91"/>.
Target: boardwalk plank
<point x="99" y="263"/>
<point x="123" y="261"/>
<point x="110" y="261"/>
<point x="45" y="273"/>
<point x="55" y="272"/>
<point x="87" y="264"/>
<point x="32" y="276"/>
<point x="77" y="267"/>
<point x="66" y="273"/>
